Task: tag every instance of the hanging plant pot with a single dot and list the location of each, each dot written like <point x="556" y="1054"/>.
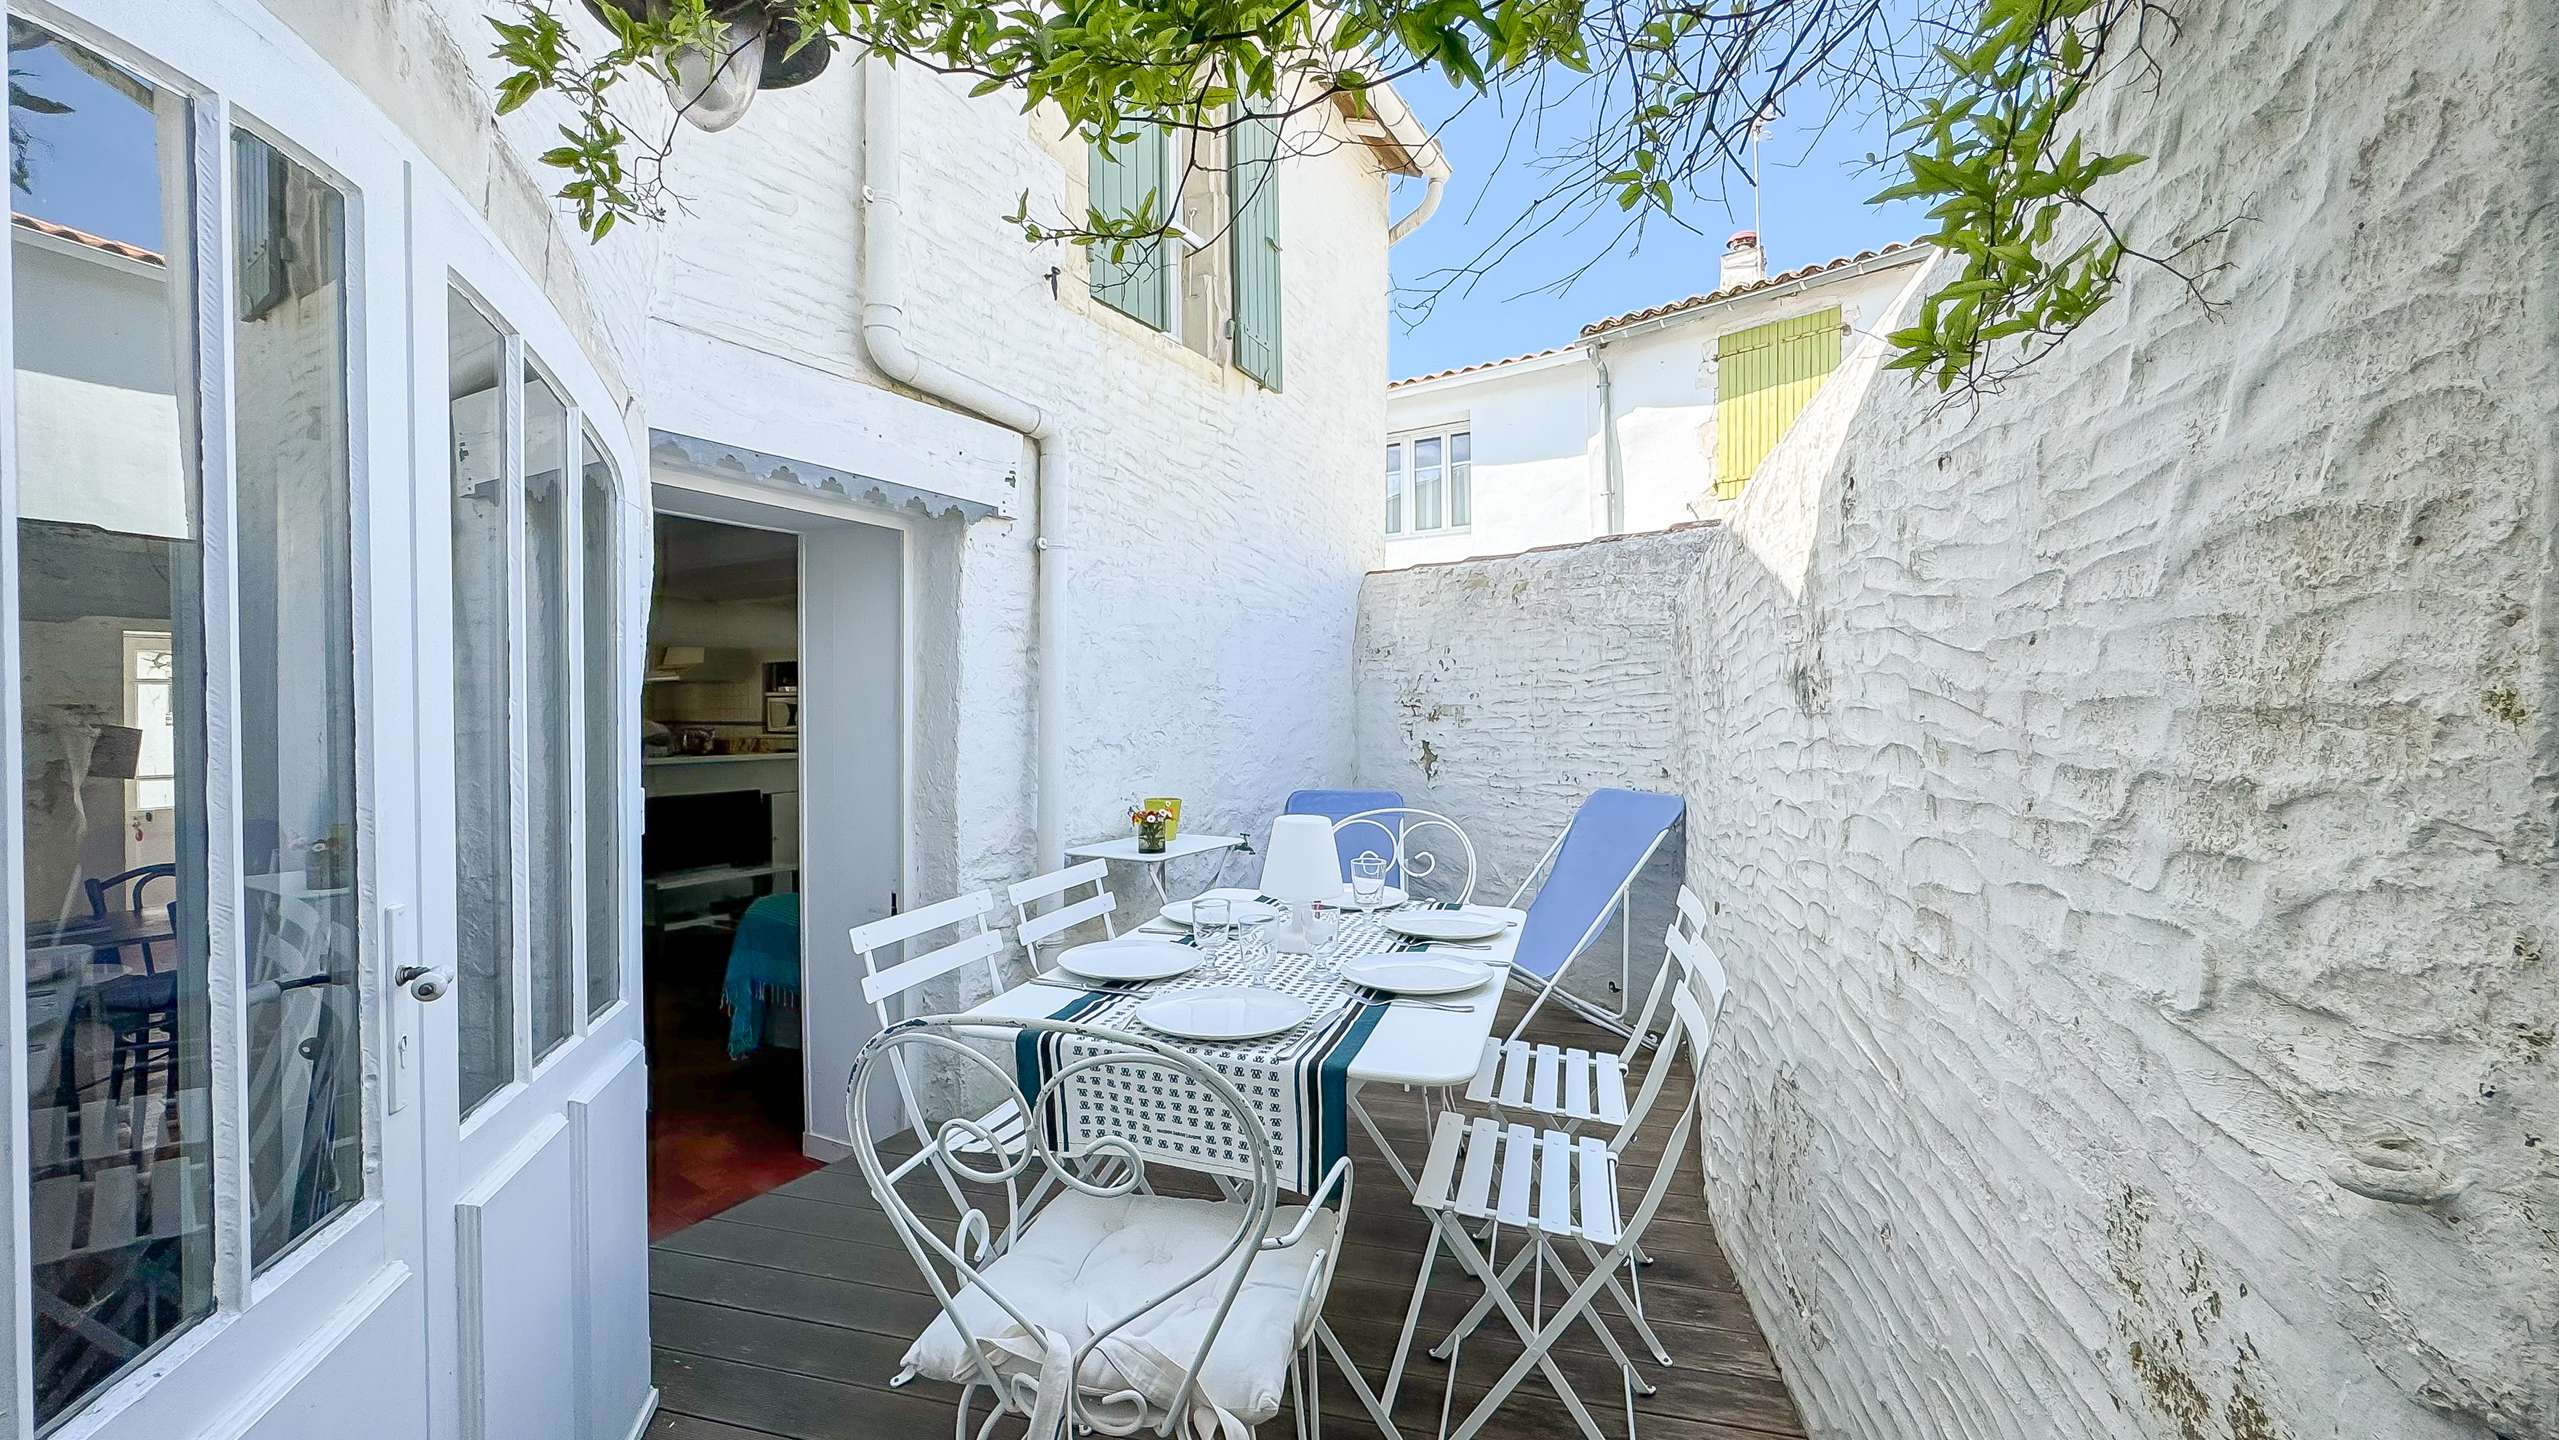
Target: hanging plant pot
<point x="781" y="67"/>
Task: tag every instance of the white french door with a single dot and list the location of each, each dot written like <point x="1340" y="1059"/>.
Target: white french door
<point x="533" y="580"/>
<point x="213" y="1130"/>
<point x="319" y="577"/>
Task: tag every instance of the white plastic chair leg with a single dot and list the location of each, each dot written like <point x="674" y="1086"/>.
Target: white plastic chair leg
<point x="1412" y="1319"/>
<point x="1482" y="1307"/>
<point x="1607" y="1340"/>
<point x="1634" y="1309"/>
<point x="1536" y="1347"/>
<point x="1314" y="1396"/>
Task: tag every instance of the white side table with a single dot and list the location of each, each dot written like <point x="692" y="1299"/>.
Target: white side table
<point x="1124" y="849"/>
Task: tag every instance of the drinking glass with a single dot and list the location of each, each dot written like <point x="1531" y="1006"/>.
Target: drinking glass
<point x="1368" y="880"/>
<point x="1213" y="926"/>
<point x="1254" y="953"/>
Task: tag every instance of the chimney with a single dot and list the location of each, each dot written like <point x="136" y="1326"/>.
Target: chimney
<point x="1744" y="262"/>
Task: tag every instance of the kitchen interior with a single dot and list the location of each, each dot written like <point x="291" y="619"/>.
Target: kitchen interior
<point x="720" y="740"/>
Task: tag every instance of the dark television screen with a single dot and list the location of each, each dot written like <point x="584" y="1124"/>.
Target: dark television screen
<point x="692" y="832"/>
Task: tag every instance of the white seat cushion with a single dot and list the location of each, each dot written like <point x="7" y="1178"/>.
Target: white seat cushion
<point x="1085" y="1261"/>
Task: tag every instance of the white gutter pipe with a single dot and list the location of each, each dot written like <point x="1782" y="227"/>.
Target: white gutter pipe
<point x="1398" y="118"/>
<point x="1611" y="469"/>
<point x="1436" y="181"/>
<point x="884" y="337"/>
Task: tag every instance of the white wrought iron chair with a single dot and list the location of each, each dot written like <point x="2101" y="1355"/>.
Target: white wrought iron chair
<point x="887" y="979"/>
<point x="1560" y="1190"/>
<point x="1391" y="832"/>
<point x="1107" y="1308"/>
<point x="1035" y="929"/>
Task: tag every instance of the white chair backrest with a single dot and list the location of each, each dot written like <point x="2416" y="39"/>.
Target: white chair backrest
<point x="1406" y="839"/>
<point x="884" y="978"/>
<point x="1691" y="920"/>
<point x="1032" y="930"/>
<point x="1688" y="924"/>
<point x="962" y="1151"/>
<point x="1696" y="998"/>
<point x="888" y="976"/>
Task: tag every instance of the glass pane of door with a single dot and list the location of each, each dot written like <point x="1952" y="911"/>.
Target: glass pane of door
<point x="599" y="522"/>
<point x="112" y="682"/>
<point x="299" y="916"/>
<point x="550" y="681"/>
<point x="483" y="871"/>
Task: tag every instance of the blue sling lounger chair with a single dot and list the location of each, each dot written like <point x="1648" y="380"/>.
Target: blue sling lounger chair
<point x="1589" y="870"/>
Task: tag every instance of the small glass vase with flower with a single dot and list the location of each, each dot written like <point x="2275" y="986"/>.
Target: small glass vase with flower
<point x="1154" y="826"/>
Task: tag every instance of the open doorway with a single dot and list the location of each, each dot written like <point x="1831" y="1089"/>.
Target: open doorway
<point x="778" y="804"/>
<point x="720" y="868"/>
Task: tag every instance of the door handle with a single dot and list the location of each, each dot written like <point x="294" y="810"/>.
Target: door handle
<point x="425" y="982"/>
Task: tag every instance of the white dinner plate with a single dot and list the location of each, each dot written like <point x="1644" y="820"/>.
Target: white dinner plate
<point x="1248" y="911"/>
<point x="1226" y="1012"/>
<point x="1134" y="957"/>
<point x="1444" y="924"/>
<point x="1416" y="974"/>
<point x="1387" y="899"/>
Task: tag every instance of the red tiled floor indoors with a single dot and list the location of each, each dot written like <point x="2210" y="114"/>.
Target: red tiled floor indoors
<point x="720" y="1131"/>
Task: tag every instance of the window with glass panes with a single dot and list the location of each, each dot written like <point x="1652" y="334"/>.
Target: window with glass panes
<point x="1430" y="486"/>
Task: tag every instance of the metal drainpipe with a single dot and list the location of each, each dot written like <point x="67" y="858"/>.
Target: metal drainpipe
<point x="1612" y="472"/>
<point x="884" y="338"/>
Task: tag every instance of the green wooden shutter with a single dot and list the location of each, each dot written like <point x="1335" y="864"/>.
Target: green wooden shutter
<point x="1764" y="377"/>
<point x="1253" y="182"/>
<point x="1138" y="283"/>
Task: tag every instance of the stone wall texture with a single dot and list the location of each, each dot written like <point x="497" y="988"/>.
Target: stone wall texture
<point x="2130" y="804"/>
<point x="1500" y="692"/>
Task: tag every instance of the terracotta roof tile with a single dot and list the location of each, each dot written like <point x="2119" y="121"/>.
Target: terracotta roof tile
<point x="83" y="237"/>
<point x="1729" y="292"/>
<point x="1479" y="365"/>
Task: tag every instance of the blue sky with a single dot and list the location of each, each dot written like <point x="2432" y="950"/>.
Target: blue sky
<point x="1813" y="206"/>
<point x="96" y="168"/>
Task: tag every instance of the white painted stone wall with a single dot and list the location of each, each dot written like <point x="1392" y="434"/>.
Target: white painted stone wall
<point x="1539" y="471"/>
<point x="2131" y="806"/>
<point x="1501" y="692"/>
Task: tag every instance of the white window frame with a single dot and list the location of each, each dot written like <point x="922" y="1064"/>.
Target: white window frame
<point x="255" y="1310"/>
<point x="1447" y="435"/>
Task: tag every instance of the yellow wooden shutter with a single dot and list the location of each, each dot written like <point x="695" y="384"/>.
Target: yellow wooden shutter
<point x="1764" y="377"/>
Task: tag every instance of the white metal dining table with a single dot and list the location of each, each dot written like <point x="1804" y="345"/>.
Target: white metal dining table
<point x="1437" y="1044"/>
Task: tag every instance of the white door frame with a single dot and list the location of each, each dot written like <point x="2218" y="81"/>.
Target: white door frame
<point x="363" y="1270"/>
<point x="684" y="491"/>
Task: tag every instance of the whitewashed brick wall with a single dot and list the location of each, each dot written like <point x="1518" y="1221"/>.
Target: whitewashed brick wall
<point x="1501" y="692"/>
<point x="2130" y="802"/>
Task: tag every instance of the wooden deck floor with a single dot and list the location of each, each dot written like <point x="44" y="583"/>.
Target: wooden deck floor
<point x="786" y="1315"/>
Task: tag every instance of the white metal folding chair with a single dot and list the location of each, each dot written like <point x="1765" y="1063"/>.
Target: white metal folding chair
<point x="1560" y="1189"/>
<point x="1033" y="930"/>
<point x="1569" y="1086"/>
<point x="1107" y="1308"/>
<point x="890" y="972"/>
<point x="1390" y="832"/>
